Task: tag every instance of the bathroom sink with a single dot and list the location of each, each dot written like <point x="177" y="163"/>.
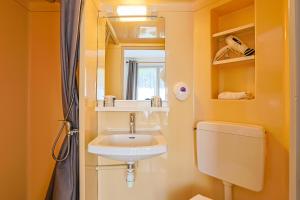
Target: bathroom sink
<point x="126" y="147"/>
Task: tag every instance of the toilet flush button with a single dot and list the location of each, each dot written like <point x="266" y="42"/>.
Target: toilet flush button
<point x="181" y="91"/>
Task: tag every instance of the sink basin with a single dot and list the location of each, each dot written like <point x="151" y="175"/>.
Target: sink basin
<point x="129" y="148"/>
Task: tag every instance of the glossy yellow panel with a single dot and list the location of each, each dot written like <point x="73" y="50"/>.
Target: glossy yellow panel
<point x="13" y="107"/>
<point x="170" y="176"/>
<point x="175" y="176"/>
<point x="89" y="53"/>
<point x="44" y="98"/>
<point x="270" y="106"/>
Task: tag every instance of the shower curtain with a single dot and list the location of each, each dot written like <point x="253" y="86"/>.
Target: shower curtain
<point x="64" y="184"/>
<point x="131" y="90"/>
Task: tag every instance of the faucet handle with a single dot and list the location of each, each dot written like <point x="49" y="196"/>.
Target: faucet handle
<point x="132" y="122"/>
<point x="132" y="116"/>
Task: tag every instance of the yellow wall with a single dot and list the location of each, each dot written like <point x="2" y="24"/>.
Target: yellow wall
<point x="44" y="99"/>
<point x="13" y="103"/>
<point x="171" y="176"/>
<point x="87" y="98"/>
<point x="30" y="82"/>
<point x="270" y="106"/>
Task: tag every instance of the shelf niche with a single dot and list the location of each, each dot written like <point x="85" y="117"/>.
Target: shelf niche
<point x="236" y="73"/>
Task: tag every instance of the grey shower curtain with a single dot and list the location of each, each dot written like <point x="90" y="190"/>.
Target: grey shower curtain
<point x="64" y="184"/>
<point x="131" y="90"/>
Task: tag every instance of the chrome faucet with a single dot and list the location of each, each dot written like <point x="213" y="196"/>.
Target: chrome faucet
<point x="132" y="123"/>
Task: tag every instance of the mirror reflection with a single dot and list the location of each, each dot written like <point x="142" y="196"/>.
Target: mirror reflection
<point x="144" y="74"/>
<point x="134" y="61"/>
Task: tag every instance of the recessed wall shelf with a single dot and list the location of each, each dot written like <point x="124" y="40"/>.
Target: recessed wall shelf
<point x="232" y="60"/>
<point x="234" y="30"/>
<point x="233" y="73"/>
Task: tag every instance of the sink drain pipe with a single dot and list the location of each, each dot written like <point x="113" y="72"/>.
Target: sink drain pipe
<point x="130" y="176"/>
<point x="130" y="171"/>
<point x="227" y="190"/>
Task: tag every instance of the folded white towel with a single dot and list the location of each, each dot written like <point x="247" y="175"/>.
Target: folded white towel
<point x="234" y="95"/>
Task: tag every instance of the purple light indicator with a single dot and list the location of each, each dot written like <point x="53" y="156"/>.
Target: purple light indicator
<point x="182" y="89"/>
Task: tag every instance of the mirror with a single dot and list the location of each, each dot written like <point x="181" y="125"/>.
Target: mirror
<point x="132" y="66"/>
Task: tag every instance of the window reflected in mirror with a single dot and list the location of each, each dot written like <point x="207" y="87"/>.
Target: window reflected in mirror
<point x="144" y="74"/>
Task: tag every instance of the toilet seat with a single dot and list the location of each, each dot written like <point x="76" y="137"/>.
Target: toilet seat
<point x="200" y="197"/>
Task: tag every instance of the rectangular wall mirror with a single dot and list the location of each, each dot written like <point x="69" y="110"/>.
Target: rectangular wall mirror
<point x="131" y="64"/>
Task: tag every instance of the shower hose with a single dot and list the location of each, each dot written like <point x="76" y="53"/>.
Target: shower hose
<point x="70" y="132"/>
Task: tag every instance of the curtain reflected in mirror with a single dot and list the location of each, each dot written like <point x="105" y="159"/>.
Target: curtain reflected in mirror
<point x="132" y="77"/>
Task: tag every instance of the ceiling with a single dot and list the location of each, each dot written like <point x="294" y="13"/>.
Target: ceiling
<point x="130" y="32"/>
<point x="40" y="5"/>
<point x="32" y="1"/>
<point x="130" y="1"/>
<point x="144" y="1"/>
<point x="177" y="4"/>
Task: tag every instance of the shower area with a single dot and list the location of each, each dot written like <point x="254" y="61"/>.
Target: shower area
<point x="30" y="76"/>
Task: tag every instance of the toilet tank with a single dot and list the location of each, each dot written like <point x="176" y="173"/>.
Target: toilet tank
<point x="232" y="152"/>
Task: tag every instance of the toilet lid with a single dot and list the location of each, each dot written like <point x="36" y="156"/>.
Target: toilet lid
<point x="200" y="197"/>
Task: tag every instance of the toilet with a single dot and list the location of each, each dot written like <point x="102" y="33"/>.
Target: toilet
<point x="233" y="153"/>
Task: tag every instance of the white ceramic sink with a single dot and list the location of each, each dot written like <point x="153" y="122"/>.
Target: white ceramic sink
<point x="126" y="147"/>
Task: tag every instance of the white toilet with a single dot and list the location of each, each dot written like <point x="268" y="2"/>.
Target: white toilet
<point x="233" y="153"/>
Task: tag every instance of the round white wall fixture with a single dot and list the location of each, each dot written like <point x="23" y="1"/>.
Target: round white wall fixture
<point x="181" y="91"/>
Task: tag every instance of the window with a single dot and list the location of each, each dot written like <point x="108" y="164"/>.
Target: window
<point x="149" y="82"/>
<point x="144" y="71"/>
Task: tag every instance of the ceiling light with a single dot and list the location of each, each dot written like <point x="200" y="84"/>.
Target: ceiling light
<point x="132" y="10"/>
